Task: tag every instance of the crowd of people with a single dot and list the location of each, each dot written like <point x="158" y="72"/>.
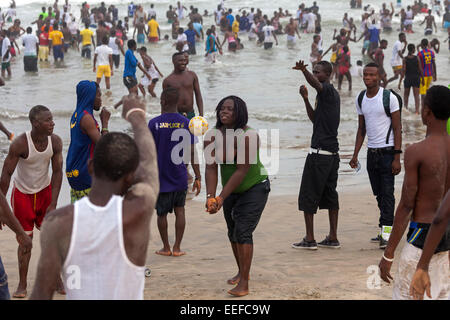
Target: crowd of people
<point x="116" y="181"/>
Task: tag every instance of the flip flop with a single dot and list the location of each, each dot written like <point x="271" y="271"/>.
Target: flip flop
<point x="179" y="254"/>
<point x="164" y="253"/>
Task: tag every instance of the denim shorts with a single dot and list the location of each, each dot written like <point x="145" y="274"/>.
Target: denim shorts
<point x="4" y="292"/>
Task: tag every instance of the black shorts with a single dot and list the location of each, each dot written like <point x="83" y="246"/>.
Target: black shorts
<point x="155" y="80"/>
<point x="116" y="60"/>
<point x="232" y="46"/>
<point x="191" y="48"/>
<point x="242" y="212"/>
<point x="167" y="201"/>
<point x="268" y="45"/>
<point x="319" y="181"/>
<point x="130" y="82"/>
<point x="412" y="82"/>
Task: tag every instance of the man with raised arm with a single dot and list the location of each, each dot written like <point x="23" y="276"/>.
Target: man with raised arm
<point x="111" y="225"/>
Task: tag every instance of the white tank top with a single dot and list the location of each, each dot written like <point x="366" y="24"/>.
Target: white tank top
<point x="32" y="173"/>
<point x="113" y="45"/>
<point x="97" y="266"/>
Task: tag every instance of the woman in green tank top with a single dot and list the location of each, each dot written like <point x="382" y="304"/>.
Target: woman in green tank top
<point x="245" y="185"/>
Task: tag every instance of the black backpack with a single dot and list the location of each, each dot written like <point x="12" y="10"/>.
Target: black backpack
<point x="386" y="105"/>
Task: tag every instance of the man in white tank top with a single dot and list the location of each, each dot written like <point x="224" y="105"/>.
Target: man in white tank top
<point x="34" y="193"/>
<point x="99" y="243"/>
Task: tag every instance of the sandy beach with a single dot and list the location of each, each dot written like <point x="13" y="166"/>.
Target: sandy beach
<point x="278" y="271"/>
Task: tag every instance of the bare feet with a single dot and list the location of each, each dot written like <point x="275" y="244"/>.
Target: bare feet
<point x="164" y="252"/>
<point x="240" y="290"/>
<point x="178" y="253"/>
<point x="235" y="280"/>
<point x="21" y="292"/>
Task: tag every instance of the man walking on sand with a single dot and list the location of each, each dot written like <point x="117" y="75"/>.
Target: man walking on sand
<point x="378" y="116"/>
<point x="111" y="225"/>
<point x="34" y="193"/>
<point x="173" y="177"/>
<point x="320" y="174"/>
<point x="427" y="177"/>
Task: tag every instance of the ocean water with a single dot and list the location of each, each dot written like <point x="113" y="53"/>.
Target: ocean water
<point x="263" y="78"/>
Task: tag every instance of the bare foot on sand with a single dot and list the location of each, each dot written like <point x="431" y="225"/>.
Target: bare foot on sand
<point x="164" y="252"/>
<point x="235" y="280"/>
<point x="240" y="290"/>
<point x="178" y="253"/>
<point x="21" y="292"/>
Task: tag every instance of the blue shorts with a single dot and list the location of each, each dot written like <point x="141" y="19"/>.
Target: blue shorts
<point x="446" y="24"/>
<point x="58" y="52"/>
<point x="4" y="292"/>
<point x="141" y="38"/>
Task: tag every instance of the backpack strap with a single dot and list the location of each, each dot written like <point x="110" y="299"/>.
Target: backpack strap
<point x="387" y="109"/>
<point x="360" y="98"/>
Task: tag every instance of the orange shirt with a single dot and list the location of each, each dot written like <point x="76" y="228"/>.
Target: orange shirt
<point x="50" y="29"/>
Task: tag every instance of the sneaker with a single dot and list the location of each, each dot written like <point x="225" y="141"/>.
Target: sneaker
<point x="304" y="244"/>
<point x="377" y="239"/>
<point x="327" y="243"/>
<point x="383" y="243"/>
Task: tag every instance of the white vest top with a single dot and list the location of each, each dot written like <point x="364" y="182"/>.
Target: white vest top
<point x="97" y="266"/>
<point x="32" y="173"/>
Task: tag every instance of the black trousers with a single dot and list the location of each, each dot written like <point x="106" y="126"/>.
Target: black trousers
<point x="379" y="167"/>
<point x="30" y="63"/>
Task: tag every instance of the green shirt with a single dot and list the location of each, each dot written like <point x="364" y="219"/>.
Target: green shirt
<point x="256" y="174"/>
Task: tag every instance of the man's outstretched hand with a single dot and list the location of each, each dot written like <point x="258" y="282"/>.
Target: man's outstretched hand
<point x="300" y="65"/>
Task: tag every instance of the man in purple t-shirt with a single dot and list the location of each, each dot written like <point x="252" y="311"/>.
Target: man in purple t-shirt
<point x="173" y="176"/>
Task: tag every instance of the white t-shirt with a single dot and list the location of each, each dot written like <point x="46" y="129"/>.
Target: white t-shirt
<point x="151" y="13"/>
<point x="311" y="18"/>
<point x="395" y="59"/>
<point x="6" y="43"/>
<point x="183" y="38"/>
<point x="268" y="33"/>
<point x="103" y="53"/>
<point x="377" y="122"/>
<point x="29" y="42"/>
<point x="73" y="27"/>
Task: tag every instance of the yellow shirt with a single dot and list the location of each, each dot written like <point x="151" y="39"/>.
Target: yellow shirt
<point x="235" y="27"/>
<point x="153" y="26"/>
<point x="56" y="37"/>
<point x="86" y="36"/>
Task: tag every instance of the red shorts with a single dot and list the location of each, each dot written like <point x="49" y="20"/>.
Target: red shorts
<point x="30" y="209"/>
<point x="153" y="39"/>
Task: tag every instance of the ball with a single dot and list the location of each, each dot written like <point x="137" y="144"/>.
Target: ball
<point x="198" y="126"/>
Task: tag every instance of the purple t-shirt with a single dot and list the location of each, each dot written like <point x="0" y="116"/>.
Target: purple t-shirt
<point x="172" y="170"/>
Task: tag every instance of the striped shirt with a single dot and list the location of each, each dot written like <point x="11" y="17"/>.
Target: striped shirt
<point x="426" y="58"/>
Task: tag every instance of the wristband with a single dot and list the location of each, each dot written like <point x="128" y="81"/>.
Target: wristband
<point x="387" y="259"/>
<point x="133" y="110"/>
<point x="397" y="151"/>
<point x="105" y="129"/>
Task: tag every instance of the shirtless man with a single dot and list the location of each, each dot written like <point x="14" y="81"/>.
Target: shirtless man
<point x="421" y="280"/>
<point x="291" y="29"/>
<point x="154" y="72"/>
<point x="378" y="58"/>
<point x="429" y="19"/>
<point x="34" y="193"/>
<point x="186" y="82"/>
<point x="119" y="209"/>
<point x="141" y="32"/>
<point x="315" y="56"/>
<point x="427" y="180"/>
<point x="101" y="32"/>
